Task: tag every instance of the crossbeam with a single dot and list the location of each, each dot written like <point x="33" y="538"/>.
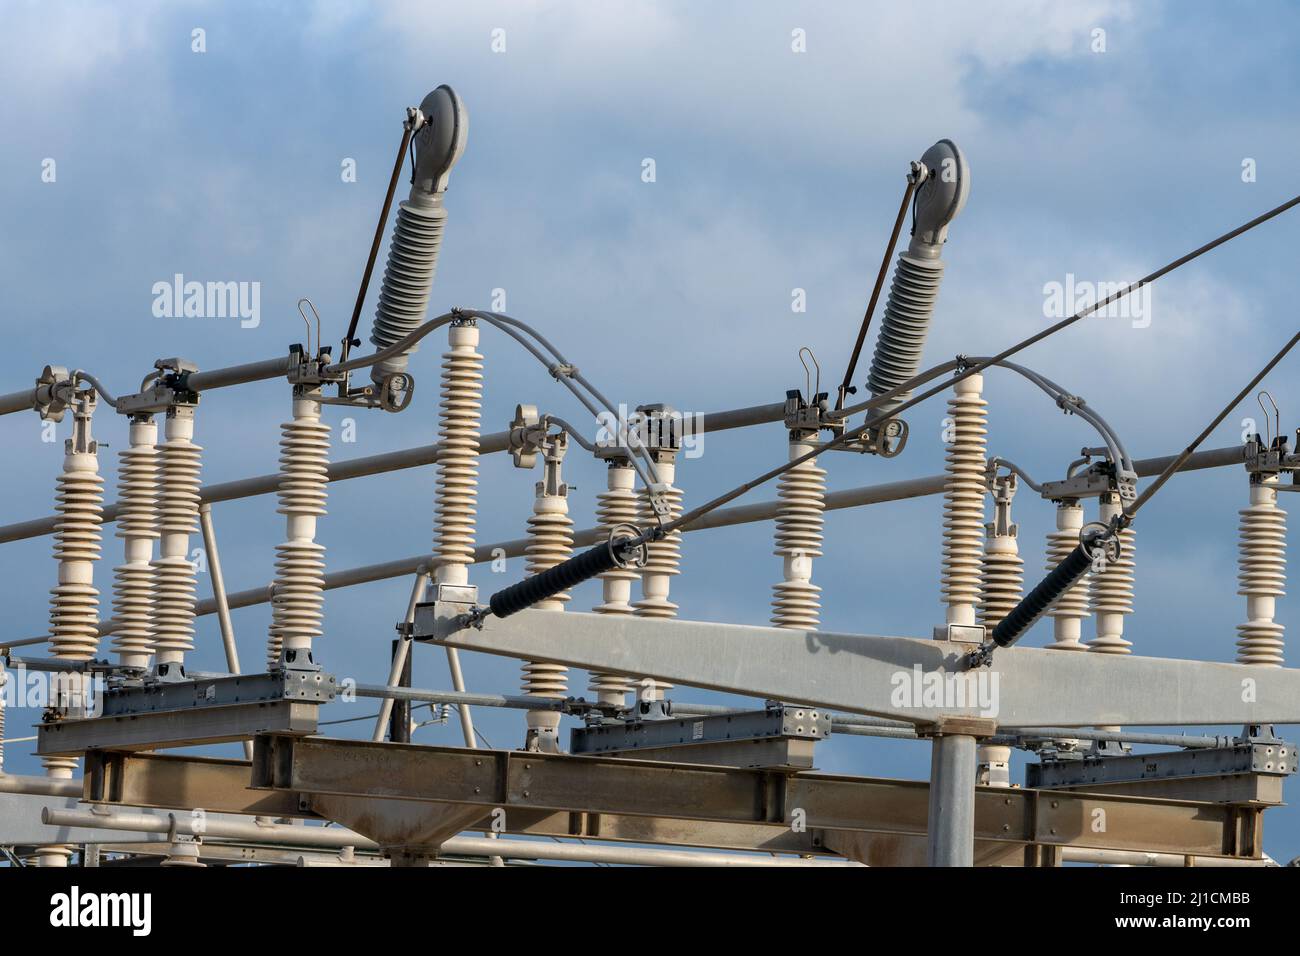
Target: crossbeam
<point x="526" y="782"/>
<point x="917" y="680"/>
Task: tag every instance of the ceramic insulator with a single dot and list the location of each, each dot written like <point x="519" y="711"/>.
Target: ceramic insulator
<point x="1261" y="575"/>
<point x="408" y="277"/>
<point x="458" y="441"/>
<point x="665" y="558"/>
<point x="802" y="492"/>
<point x="1003" y="579"/>
<point x="178" y="518"/>
<point x="617" y="505"/>
<point x="550" y="541"/>
<point x="1110" y="590"/>
<point x="299" y="589"/>
<point x="665" y="555"/>
<point x="1071" y="607"/>
<point x="963" y="501"/>
<point x="905" y="324"/>
<point x="137" y="519"/>
<point x="74" y="602"/>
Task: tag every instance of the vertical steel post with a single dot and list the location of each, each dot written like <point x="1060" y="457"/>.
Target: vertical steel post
<point x="219" y="596"/>
<point x="951" y="824"/>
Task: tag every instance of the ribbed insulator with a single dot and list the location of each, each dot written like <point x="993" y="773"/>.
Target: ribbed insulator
<point x="1072" y="606"/>
<point x="74" y="602"/>
<point x="137" y="519"/>
<point x="617" y="505"/>
<point x="1003" y="579"/>
<point x="963" y="501"/>
<point x="458" y="438"/>
<point x="408" y="277"/>
<point x="178" y="518"/>
<point x="4" y="679"/>
<point x="1261" y="575"/>
<point x="1110" y="591"/>
<point x="906" y="323"/>
<point x="56" y="855"/>
<point x="299" y="589"/>
<point x="550" y="541"/>
<point x="665" y="555"/>
<point x="802" y="492"/>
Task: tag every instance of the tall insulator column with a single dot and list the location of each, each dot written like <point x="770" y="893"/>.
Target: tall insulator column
<point x="617" y="505"/>
<point x="1002" y="582"/>
<point x="299" y="589"/>
<point x="1110" y="588"/>
<point x="1261" y="573"/>
<point x="796" y="600"/>
<point x="664" y="556"/>
<point x="178" y="518"/>
<point x="458" y="438"/>
<point x="4" y="680"/>
<point x="74" y="602"/>
<point x="550" y="541"/>
<point x="1071" y="607"/>
<point x="137" y="526"/>
<point x="963" y="500"/>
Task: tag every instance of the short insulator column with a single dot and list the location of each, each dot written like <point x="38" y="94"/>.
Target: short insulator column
<point x="963" y="500"/>
<point x="299" y="590"/>
<point x="1110" y="588"/>
<point x="74" y="603"/>
<point x="1003" y="578"/>
<point x="1261" y="573"/>
<point x="1071" y="607"/>
<point x="137" y="519"/>
<point x="458" y="449"/>
<point x="1002" y="584"/>
<point x="617" y="506"/>
<point x="178" y="518"/>
<point x="550" y="541"/>
<point x="796" y="600"/>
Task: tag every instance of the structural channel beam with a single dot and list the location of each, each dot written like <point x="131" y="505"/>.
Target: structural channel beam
<point x="910" y="679"/>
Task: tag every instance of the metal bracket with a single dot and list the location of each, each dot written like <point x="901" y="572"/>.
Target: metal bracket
<point x="173" y="713"/>
<point x="780" y="735"/>
<point x="1242" y="772"/>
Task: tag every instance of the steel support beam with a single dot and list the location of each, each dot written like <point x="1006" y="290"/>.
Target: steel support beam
<point x="911" y="679"/>
<point x="523" y="782"/>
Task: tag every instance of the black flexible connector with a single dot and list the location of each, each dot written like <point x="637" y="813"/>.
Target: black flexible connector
<point x="581" y="567"/>
<point x="1031" y="607"/>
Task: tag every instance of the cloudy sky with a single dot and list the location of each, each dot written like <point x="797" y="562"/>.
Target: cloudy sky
<point x="1100" y="155"/>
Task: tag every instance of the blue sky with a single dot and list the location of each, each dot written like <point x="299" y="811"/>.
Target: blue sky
<point x="775" y="171"/>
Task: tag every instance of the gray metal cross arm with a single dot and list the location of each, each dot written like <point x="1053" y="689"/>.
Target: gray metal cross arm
<point x="912" y="679"/>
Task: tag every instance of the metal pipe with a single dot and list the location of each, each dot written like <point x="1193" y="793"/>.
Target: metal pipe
<point x="40" y="786"/>
<point x="402" y="654"/>
<point x="337" y="837"/>
<point x="219" y="598"/>
<point x="239" y="374"/>
<point x="458" y="682"/>
<point x="1079" y="854"/>
<point x="18" y="401"/>
<point x="631" y="856"/>
<point x="950" y="829"/>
